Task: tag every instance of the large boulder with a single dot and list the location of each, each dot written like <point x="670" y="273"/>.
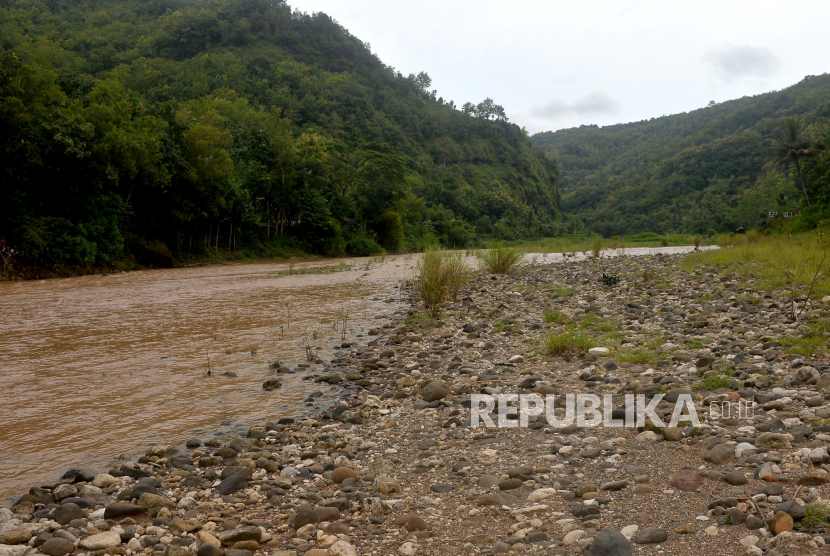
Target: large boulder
<point x="610" y="542"/>
<point x="250" y="533"/>
<point x="436" y="390"/>
<point x="117" y="510"/>
<point x="772" y="440"/>
<point x="156" y="502"/>
<point x="232" y="484"/>
<point x="233" y="470"/>
<point x="57" y="546"/>
<point x="107" y="539"/>
<point x="15" y="536"/>
<point x="686" y="480"/>
<point x="721" y="454"/>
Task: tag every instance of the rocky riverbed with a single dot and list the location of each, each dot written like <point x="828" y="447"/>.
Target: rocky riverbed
<point x="396" y="468"/>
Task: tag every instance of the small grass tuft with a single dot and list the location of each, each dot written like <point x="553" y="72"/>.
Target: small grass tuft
<point x="720" y="378"/>
<point x="814" y="515"/>
<point x="649" y="352"/>
<point x="568" y="343"/>
<point x="562" y="292"/>
<point x="554" y="315"/>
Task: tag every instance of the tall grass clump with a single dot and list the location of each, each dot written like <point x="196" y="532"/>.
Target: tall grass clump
<point x="596" y="246"/>
<point x="499" y="260"/>
<point x="440" y="277"/>
<point x="723" y="240"/>
<point x="457" y="273"/>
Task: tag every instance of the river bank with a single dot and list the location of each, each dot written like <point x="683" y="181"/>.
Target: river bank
<point x="395" y="468"/>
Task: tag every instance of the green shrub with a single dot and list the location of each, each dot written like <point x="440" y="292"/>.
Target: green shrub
<point x="362" y="247"/>
<point x="390" y="230"/>
<point x="644" y="237"/>
<point x="724" y="240"/>
<point x="153" y="253"/>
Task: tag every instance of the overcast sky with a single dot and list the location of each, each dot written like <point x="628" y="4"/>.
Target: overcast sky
<point x="558" y="64"/>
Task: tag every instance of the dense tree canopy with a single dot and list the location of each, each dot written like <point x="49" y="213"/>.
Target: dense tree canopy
<point x="155" y="129"/>
<point x="693" y="172"/>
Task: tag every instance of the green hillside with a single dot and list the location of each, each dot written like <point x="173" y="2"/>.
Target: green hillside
<point x="691" y="172"/>
<point x="158" y="130"/>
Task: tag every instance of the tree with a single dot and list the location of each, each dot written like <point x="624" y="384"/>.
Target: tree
<point x="422" y="80"/>
<point x="157" y="130"/>
<point x="792" y="144"/>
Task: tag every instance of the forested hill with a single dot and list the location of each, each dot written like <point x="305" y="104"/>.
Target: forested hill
<point x="157" y="129"/>
<point x="688" y="172"/>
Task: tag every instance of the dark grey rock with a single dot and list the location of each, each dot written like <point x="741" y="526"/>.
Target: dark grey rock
<point x="791" y="507"/>
<point x="67" y="512"/>
<point x="610" y="542"/>
<point x="510" y="484"/>
<point x="208" y="549"/>
<point x="118" y="510"/>
<point x="232" y="484"/>
<point x="235" y="471"/>
<point x="650" y="535"/>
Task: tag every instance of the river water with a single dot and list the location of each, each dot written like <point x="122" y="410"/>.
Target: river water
<point x="98" y="367"/>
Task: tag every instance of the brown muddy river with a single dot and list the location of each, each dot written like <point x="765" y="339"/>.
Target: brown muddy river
<point x="99" y="366"/>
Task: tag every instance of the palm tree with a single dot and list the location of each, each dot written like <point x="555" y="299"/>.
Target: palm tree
<point x="792" y="143"/>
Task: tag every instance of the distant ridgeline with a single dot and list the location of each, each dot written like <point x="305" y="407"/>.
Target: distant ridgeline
<point x="695" y="172"/>
<point x="161" y="129"/>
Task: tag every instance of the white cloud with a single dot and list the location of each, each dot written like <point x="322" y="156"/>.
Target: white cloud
<point x="732" y="61"/>
<point x="539" y="59"/>
<point x="596" y="103"/>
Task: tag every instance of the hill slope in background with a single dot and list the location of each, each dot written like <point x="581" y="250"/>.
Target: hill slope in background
<point x="688" y="172"/>
<point x="164" y="128"/>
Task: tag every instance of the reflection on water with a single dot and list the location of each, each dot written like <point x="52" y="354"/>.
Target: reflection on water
<point x="97" y="366"/>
